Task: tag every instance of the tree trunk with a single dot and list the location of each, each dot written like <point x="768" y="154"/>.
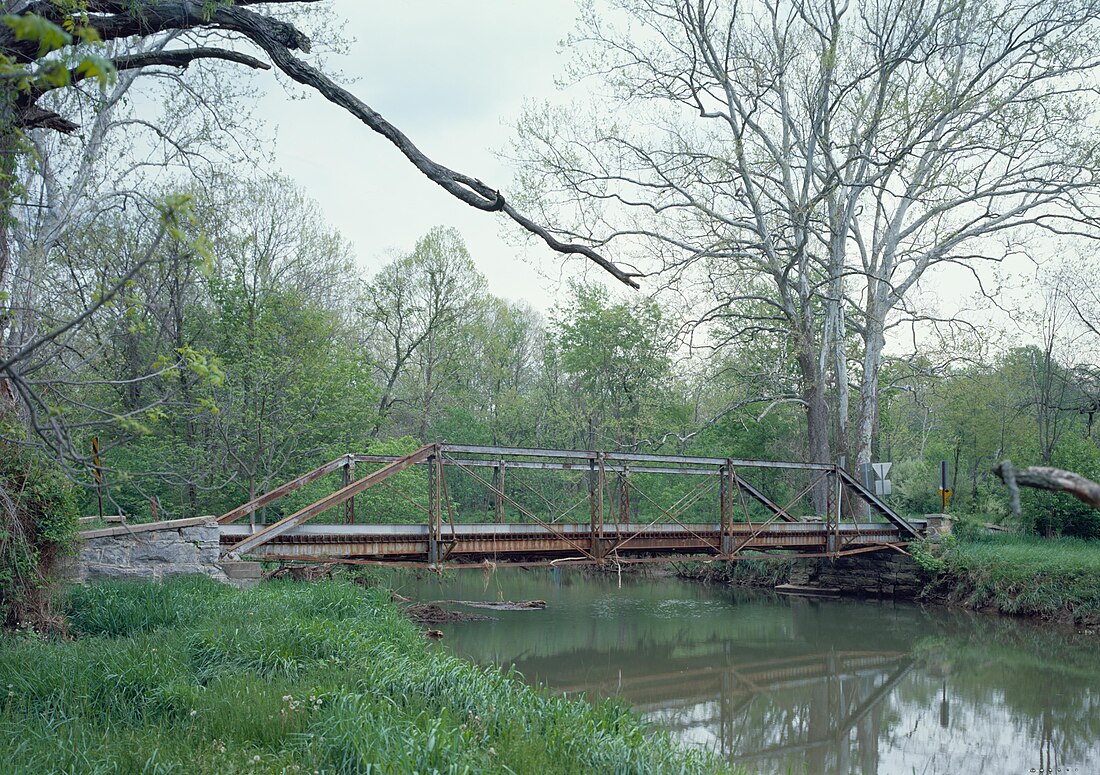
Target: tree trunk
<point x="9" y="143"/>
<point x="868" y="392"/>
<point x="817" y="423"/>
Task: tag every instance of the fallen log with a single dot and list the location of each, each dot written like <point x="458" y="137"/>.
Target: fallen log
<point x="522" y="605"/>
<point x="1045" y="478"/>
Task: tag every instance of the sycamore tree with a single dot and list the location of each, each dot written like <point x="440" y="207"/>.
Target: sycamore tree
<point x="820" y="161"/>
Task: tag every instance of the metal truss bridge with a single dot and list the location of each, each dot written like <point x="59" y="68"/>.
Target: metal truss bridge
<point x="473" y="506"/>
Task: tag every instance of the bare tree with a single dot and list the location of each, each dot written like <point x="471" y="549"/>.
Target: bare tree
<point x="819" y="159"/>
<point x="176" y="34"/>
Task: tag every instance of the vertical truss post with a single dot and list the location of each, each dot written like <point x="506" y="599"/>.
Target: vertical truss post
<point x="349" y="477"/>
<point x="435" y="514"/>
<point x="838" y="494"/>
<point x="595" y="503"/>
<point x="624" y="495"/>
<point x="832" y="512"/>
<point x="725" y="508"/>
<point x="498" y="485"/>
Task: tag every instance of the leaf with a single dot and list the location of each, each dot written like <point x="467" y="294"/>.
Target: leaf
<point x="95" y="66"/>
<point x="88" y="35"/>
<point x="31" y="26"/>
<point x="54" y="74"/>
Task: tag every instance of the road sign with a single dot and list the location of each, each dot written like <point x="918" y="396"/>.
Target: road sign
<point x="881" y="485"/>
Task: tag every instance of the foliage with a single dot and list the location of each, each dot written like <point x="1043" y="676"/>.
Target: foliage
<point x="39" y="516"/>
<point x="928" y="554"/>
<point x="617" y="357"/>
<point x="916" y="486"/>
<point x="322" y="677"/>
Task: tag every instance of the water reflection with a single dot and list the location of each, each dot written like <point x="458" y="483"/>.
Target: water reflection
<point x="815" y="686"/>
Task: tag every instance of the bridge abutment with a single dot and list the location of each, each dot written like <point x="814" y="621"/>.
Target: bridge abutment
<point x="874" y="574"/>
<point x="156" y="550"/>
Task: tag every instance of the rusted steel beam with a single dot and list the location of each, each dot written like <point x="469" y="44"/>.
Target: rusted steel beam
<point x="761" y="498"/>
<point x="435" y="517"/>
<point x="624" y="495"/>
<point x="554" y="562"/>
<point x="490" y="544"/>
<point x="281" y="490"/>
<point x="877" y="504"/>
<point x="335" y="499"/>
<point x="499" y="495"/>
<point x="596" y="495"/>
<point x="725" y="506"/>
<point x="549" y="465"/>
<point x="629" y="457"/>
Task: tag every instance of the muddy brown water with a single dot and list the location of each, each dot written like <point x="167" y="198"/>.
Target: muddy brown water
<point x="794" y="684"/>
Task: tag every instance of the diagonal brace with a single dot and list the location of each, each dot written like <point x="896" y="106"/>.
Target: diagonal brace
<point x="326" y="503"/>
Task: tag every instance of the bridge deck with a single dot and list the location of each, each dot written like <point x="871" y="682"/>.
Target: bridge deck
<point x="510" y="542"/>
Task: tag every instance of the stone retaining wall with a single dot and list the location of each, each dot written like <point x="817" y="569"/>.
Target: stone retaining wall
<point x="150" y="551"/>
<point x="878" y="574"/>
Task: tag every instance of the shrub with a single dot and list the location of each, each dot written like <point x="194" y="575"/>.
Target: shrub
<point x="38" y="518"/>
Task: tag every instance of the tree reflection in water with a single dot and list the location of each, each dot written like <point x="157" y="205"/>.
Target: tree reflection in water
<point x="815" y="686"/>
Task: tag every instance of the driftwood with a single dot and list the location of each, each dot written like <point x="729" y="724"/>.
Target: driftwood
<point x="523" y="605"/>
<point x="431" y="613"/>
<point x="1045" y="478"/>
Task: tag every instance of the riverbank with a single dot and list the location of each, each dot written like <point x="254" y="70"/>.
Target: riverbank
<point x="326" y="677"/>
<point x="1052" y="579"/>
<point x="1056" y="579"/>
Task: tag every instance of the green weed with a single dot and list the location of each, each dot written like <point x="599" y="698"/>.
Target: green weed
<point x="192" y="677"/>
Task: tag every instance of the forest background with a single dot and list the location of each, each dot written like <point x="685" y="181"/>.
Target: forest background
<point x="177" y="300"/>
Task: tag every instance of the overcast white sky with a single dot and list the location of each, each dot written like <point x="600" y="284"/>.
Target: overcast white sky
<point x="453" y="77"/>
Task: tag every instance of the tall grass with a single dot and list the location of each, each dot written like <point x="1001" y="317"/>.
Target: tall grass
<point x="1058" y="578"/>
<point x="192" y="677"/>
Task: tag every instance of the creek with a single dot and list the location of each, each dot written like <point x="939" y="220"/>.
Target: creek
<point x="795" y="684"/>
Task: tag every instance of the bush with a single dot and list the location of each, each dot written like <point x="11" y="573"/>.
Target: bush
<point x="916" y="486"/>
<point x="38" y="519"/>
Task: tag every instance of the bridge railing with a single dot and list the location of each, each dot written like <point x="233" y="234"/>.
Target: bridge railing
<point x="616" y="494"/>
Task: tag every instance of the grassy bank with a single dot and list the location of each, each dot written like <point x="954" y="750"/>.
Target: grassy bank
<point x="192" y="677"/>
<point x="1055" y="578"/>
<point x="1052" y="578"/>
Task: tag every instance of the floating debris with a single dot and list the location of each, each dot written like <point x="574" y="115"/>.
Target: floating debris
<point x="432" y="613"/>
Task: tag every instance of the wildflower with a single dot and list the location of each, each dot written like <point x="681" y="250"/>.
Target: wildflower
<point x="256" y="758"/>
<point x="194" y="713"/>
